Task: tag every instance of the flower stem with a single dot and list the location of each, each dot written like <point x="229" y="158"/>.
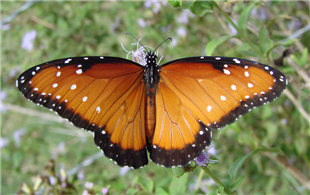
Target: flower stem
<point x="215" y="179"/>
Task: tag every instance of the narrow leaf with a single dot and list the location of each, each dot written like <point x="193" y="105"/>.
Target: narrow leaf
<point x="210" y="47"/>
<point x="265" y="42"/>
<point x="236" y="183"/>
<point x="175" y="3"/>
<point x="235" y="167"/>
<point x="244" y="16"/>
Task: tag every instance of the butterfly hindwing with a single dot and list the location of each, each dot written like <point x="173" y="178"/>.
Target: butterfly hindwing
<point x="179" y="136"/>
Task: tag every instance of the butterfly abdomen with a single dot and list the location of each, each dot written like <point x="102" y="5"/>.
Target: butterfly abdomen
<point x="150" y="112"/>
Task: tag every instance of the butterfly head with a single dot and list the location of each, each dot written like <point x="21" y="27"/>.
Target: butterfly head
<point x="151" y="57"/>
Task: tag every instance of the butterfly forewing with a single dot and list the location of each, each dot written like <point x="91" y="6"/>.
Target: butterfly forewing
<point x="105" y="95"/>
<point x="218" y="90"/>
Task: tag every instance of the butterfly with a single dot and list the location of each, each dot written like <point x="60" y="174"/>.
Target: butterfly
<point x="132" y="107"/>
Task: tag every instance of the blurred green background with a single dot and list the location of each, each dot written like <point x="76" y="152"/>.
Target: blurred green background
<point x="44" y="31"/>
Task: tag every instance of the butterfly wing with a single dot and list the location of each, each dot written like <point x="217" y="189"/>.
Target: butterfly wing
<point x="104" y="95"/>
<point x="198" y="94"/>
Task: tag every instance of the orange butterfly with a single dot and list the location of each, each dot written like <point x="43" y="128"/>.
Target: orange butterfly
<point x="169" y="110"/>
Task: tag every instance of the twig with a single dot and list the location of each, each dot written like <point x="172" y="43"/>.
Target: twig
<point x="291" y="169"/>
<point x="30" y="112"/>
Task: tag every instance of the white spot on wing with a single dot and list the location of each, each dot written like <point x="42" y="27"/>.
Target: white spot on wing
<point x="233" y="87"/>
<point x="226" y="71"/>
<point x="55" y="85"/>
<point x="73" y="87"/>
<point x="58" y="74"/>
<point x="218" y="58"/>
<point x="67" y="61"/>
<point x="237" y="61"/>
<point x="84" y="99"/>
<point x="209" y="108"/>
<point x="246" y="74"/>
<point x="250" y="85"/>
<point x="223" y="98"/>
<point x="98" y="109"/>
<point x="79" y="71"/>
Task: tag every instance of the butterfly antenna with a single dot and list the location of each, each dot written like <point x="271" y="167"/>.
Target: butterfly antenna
<point x="162" y="43"/>
<point x="136" y="39"/>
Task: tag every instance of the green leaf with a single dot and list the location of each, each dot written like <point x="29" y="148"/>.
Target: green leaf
<point x="235" y="167"/>
<point x="146" y="184"/>
<point x="201" y="8"/>
<point x="160" y="191"/>
<point x="303" y="59"/>
<point x="187" y="4"/>
<point x="265" y="42"/>
<point x="132" y="191"/>
<point x="246" y="49"/>
<point x="242" y="22"/>
<point x="178" y="171"/>
<point x="236" y="183"/>
<point x="17" y="158"/>
<point x="210" y="47"/>
<point x="178" y="185"/>
<point x="175" y="3"/>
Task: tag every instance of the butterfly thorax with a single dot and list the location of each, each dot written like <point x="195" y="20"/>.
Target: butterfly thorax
<point x="151" y="79"/>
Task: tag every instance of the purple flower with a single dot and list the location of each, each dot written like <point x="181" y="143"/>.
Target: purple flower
<point x="154" y="4"/>
<point x="3" y="95"/>
<point x="17" y="136"/>
<point x="61" y="147"/>
<point x="142" y="23"/>
<point x="80" y="175"/>
<point x="3" y="142"/>
<point x="116" y="24"/>
<point x="259" y="13"/>
<point x="181" y="32"/>
<point x="284" y="121"/>
<point x="232" y="28"/>
<point x="88" y="185"/>
<point x="183" y="18"/>
<point x="52" y="180"/>
<point x="138" y="55"/>
<point x="124" y="170"/>
<point x="5" y="27"/>
<point x="203" y="159"/>
<point x="104" y="190"/>
<point x="27" y="41"/>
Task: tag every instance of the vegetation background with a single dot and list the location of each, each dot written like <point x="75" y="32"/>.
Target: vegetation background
<point x="278" y="133"/>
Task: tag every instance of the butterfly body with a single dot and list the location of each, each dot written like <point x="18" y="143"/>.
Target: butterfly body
<point x="169" y="110"/>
